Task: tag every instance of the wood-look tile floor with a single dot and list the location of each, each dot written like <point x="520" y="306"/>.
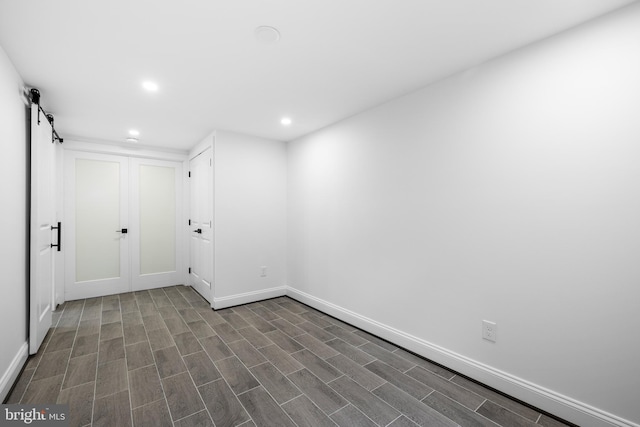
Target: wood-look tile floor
<point x="164" y="358"/>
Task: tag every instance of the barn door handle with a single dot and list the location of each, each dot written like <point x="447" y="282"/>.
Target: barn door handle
<point x="59" y="228"/>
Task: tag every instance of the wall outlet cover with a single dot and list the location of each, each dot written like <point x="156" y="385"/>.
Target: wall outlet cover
<point x="489" y="330"/>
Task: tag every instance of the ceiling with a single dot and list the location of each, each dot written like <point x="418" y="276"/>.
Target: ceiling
<point x="335" y="58"/>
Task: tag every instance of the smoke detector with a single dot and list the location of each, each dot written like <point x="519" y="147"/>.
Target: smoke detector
<point x="267" y="34"/>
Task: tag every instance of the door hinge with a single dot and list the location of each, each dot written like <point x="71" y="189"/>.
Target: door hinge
<point x="189" y="222"/>
<point x="189" y="174"/>
<point x="210" y="162"/>
<point x="189" y="270"/>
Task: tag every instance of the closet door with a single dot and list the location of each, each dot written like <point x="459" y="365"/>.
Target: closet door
<point x="201" y="223"/>
<point x="97" y="239"/>
<point x="155" y="217"/>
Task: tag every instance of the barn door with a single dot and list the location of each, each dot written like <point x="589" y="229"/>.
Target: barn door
<point x="43" y="228"/>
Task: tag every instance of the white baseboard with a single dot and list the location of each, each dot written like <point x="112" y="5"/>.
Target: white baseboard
<point x="555" y="403"/>
<point x="9" y="376"/>
<point x="245" y="298"/>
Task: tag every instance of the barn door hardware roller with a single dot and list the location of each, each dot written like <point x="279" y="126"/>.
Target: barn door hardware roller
<point x="35" y="98"/>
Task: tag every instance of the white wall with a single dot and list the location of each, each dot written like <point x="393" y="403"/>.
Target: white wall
<point x="510" y="192"/>
<point x="250" y="218"/>
<point x="13" y="226"/>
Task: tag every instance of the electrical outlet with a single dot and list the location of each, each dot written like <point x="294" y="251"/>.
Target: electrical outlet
<point x="263" y="271"/>
<point x="489" y="330"/>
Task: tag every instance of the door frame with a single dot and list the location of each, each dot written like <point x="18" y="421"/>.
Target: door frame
<point x="99" y="147"/>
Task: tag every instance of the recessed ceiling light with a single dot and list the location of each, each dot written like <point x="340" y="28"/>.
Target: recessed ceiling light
<point x="134" y="132"/>
<point x="267" y="34"/>
<point x="132" y="139"/>
<point x="286" y="121"/>
<point x="150" y="86"/>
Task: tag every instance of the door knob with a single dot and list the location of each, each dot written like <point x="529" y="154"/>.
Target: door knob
<point x="123" y="231"/>
<point x="199" y="231"/>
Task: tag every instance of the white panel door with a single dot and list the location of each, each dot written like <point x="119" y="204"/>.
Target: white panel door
<point x="97" y="235"/>
<point x="201" y="183"/>
<point x="155" y="217"/>
<point x="41" y="223"/>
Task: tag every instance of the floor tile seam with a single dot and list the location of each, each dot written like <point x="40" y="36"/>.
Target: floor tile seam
<point x="295" y="397"/>
<point x="420" y="400"/>
<point x="133" y="408"/>
<point x="407" y="370"/>
<point x="400" y="372"/>
<point x="222" y="378"/>
<point x="481" y="403"/>
<point x="259" y="385"/>
<point x="383" y="384"/>
<point x="508" y="410"/>
<point x="313" y="403"/>
<point x="339" y="409"/>
<point x="204" y="349"/>
<point x="126" y="362"/>
<point x="354" y="380"/>
<point x="336" y="379"/>
<point x="467" y="409"/>
<point x="76" y="385"/>
<point x="430" y="393"/>
<point x="26" y="386"/>
<point x="358" y="409"/>
<point x="433" y="372"/>
<point x="373" y="394"/>
<point x="496" y="403"/>
<point x="95" y="385"/>
<point x="75" y="337"/>
<point x="155" y="364"/>
<point x="314" y="353"/>
<point x="68" y="359"/>
<point x="312" y="310"/>
<point x="190" y="415"/>
<point x="293" y="372"/>
<point x="274" y="401"/>
<point x="395" y="419"/>
<point x="44" y="349"/>
<point x="139" y="367"/>
<point x="258" y="348"/>
<point x="204" y="405"/>
<point x="208" y="382"/>
<point x="287" y="378"/>
<point x="252" y="388"/>
<point x="442" y="391"/>
<point x="40" y="360"/>
<point x="227" y="342"/>
<point x="483" y="386"/>
<point x="192" y="353"/>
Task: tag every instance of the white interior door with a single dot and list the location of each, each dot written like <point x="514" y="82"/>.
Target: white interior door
<point x="201" y="222"/>
<point x="41" y="223"/>
<point x="96" y="212"/>
<point x="155" y="218"/>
